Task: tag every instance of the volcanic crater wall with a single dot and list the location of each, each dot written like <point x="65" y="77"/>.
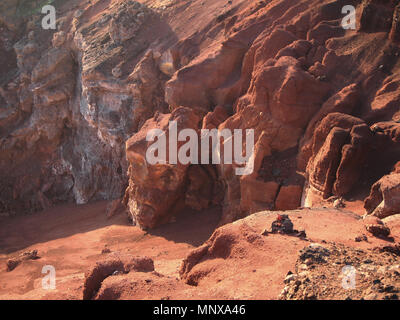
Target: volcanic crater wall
<point x="323" y="102"/>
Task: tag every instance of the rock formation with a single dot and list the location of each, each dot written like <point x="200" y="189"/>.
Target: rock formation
<point x="76" y="104"/>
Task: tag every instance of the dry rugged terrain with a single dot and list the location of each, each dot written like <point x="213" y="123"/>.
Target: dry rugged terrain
<point x="188" y="260"/>
<point x="77" y="191"/>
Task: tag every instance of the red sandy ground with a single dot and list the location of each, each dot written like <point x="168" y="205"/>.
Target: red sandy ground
<point x="72" y="237"/>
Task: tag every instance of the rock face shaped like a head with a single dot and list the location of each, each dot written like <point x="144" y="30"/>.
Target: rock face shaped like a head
<point x="156" y="189"/>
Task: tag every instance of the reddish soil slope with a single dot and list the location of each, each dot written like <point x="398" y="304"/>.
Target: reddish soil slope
<point x="238" y="263"/>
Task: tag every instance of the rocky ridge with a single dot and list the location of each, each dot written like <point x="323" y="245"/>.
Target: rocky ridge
<point x="321" y="99"/>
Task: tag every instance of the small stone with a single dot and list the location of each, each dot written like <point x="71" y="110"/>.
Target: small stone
<point x="290" y="278"/>
<point x="308" y="262"/>
<point x="12" y="264"/>
<point x="361" y="238"/>
<point x="116" y="72"/>
<point x="338" y="203"/>
<point x="105" y="251"/>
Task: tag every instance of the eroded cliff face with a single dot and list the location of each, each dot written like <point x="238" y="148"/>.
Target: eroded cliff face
<point x="323" y="103"/>
<point x="70" y="99"/>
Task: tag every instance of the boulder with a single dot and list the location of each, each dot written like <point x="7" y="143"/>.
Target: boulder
<point x="114" y="263"/>
<point x="12" y="263"/>
<point x="344" y="101"/>
<point x="376" y="227"/>
<point x="384" y="198"/>
<point x="257" y="195"/>
<point x="154" y="189"/>
<point x="289" y="197"/>
<point x="339" y="149"/>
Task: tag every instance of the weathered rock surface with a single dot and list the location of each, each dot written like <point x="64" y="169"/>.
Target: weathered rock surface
<point x="322" y="101"/>
<point x="339" y="147"/>
<point x="70" y="98"/>
<point x="376" y="227"/>
<point x="154" y="189"/>
<point x="114" y="264"/>
<point x="27" y="255"/>
<point x="264" y="261"/>
<point x="332" y="271"/>
<point x="384" y="199"/>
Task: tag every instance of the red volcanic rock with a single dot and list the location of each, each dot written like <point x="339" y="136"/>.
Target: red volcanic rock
<point x="154" y="189"/>
<point x="290" y="94"/>
<point x="114" y="207"/>
<point x="339" y="149"/>
<point x="394" y="34"/>
<point x="326" y="162"/>
<point x="331" y="121"/>
<point x="353" y="157"/>
<point x="115" y="70"/>
<point x="289" y="198"/>
<point x="186" y="88"/>
<point x="296" y="49"/>
<point x="389" y="129"/>
<point x="123" y="27"/>
<point x="287" y="71"/>
<point x="323" y="31"/>
<point x="376" y="15"/>
<point x="224" y="243"/>
<point x="376" y="227"/>
<point x="15" y="262"/>
<point x="146" y="88"/>
<point x="256" y="195"/>
<point x="213" y="119"/>
<point x="114" y="264"/>
<point x="272" y="44"/>
<point x="276" y="107"/>
<point x="344" y="102"/>
<point x="386" y="101"/>
<point x="384" y="199"/>
<point x="202" y="188"/>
